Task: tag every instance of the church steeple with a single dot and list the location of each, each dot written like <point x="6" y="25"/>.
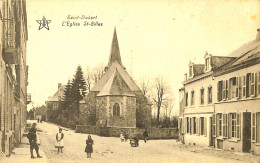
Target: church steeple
<point x="114" y="52"/>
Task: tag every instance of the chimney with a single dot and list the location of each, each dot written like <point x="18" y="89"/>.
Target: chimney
<point x="258" y="35"/>
<point x="59" y="85"/>
<point x="185" y="76"/>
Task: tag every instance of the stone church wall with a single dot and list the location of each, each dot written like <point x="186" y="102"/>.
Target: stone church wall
<point x="127" y="116"/>
<point x="101" y="112"/>
<point x="154" y="133"/>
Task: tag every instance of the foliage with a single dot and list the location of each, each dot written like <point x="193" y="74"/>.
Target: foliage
<point x="165" y="122"/>
<point x="78" y="90"/>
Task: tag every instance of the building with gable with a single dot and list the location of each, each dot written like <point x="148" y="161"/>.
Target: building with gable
<point x="116" y="100"/>
<point x="221" y="101"/>
<point x="236" y="122"/>
<point x="54" y="102"/>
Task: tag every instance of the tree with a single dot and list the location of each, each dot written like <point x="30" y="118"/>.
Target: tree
<point x="145" y="85"/>
<point x="162" y="89"/>
<point x="67" y="101"/>
<point x="168" y="106"/>
<point x="78" y="89"/>
<point x="93" y="75"/>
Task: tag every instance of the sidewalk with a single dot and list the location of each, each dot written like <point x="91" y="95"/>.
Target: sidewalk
<point x="22" y="154"/>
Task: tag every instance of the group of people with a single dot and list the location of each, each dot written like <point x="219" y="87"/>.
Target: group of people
<point x="32" y="136"/>
<point x="124" y="137"/>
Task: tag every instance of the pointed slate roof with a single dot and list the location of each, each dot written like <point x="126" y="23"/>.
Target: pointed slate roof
<point x="114" y="52"/>
<point x="116" y="86"/>
<point x="115" y="64"/>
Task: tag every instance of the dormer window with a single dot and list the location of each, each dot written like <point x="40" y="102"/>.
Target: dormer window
<point x="191" y="70"/>
<point x="207" y="62"/>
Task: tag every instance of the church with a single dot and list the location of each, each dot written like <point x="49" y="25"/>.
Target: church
<point x="116" y="100"/>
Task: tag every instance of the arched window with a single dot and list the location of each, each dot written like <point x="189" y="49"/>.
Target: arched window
<point x="116" y="109"/>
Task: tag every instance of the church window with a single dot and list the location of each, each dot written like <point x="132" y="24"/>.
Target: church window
<point x="116" y="110"/>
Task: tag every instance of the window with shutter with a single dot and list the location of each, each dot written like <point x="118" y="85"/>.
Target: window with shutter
<point x="205" y="126"/>
<point x="248" y="83"/>
<point x="252" y="87"/>
<point x="186" y="98"/>
<point x="214" y="125"/>
<point x="244" y="86"/>
<point x="210" y="95"/>
<point x="197" y="125"/>
<point x="237" y="87"/>
<point x="253" y="130"/>
<point x="219" y="90"/>
<point x="187" y="125"/>
<point x="224" y="90"/>
<point x="257" y="123"/>
<point x="224" y="125"/>
<point x="219" y="124"/>
<point x="194" y="126"/>
<point x="192" y="98"/>
<point x="233" y="125"/>
<point x="202" y="96"/>
<point x="191" y="126"/>
<point x="232" y="88"/>
<point x="202" y="126"/>
<point x="238" y="126"/>
<point x="227" y="90"/>
<point x="228" y="126"/>
<point x="258" y="81"/>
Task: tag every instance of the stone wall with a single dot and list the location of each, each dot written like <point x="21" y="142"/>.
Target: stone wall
<point x="105" y="115"/>
<point x="88" y="113"/>
<point x="154" y="133"/>
<point x="143" y="111"/>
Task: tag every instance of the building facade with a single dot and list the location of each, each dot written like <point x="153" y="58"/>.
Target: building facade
<point x="237" y="109"/>
<point x="221" y="103"/>
<point x="54" y="102"/>
<point x="116" y="100"/>
<point x="13" y="73"/>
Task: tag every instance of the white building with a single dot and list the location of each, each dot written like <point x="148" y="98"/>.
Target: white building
<point x="221" y="101"/>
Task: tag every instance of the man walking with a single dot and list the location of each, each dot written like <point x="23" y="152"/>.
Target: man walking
<point x="33" y="141"/>
<point x="145" y="135"/>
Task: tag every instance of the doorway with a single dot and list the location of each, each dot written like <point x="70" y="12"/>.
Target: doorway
<point x="246" y="132"/>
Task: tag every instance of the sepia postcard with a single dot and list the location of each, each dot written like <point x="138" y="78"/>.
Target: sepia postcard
<point x="130" y="81"/>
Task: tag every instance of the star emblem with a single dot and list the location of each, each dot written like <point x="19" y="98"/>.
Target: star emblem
<point x="43" y="23"/>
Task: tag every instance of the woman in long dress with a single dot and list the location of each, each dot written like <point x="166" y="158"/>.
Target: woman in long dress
<point x="59" y="140"/>
<point x="89" y="148"/>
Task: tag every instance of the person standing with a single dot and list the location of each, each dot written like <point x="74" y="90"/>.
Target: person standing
<point x="89" y="148"/>
<point x="59" y="140"/>
<point x="122" y="137"/>
<point x="33" y="141"/>
<point x="145" y="135"/>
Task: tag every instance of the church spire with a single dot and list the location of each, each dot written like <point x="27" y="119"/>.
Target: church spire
<point x="114" y="53"/>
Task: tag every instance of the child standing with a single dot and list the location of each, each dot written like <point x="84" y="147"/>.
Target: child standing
<point x="59" y="140"/>
<point x="89" y="148"/>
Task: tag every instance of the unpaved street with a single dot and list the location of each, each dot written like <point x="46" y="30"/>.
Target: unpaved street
<point x="111" y="149"/>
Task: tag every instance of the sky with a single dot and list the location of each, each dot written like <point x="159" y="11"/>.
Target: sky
<point x="155" y="37"/>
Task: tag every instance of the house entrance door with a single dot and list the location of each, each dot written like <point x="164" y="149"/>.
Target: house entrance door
<point x="247" y="132"/>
